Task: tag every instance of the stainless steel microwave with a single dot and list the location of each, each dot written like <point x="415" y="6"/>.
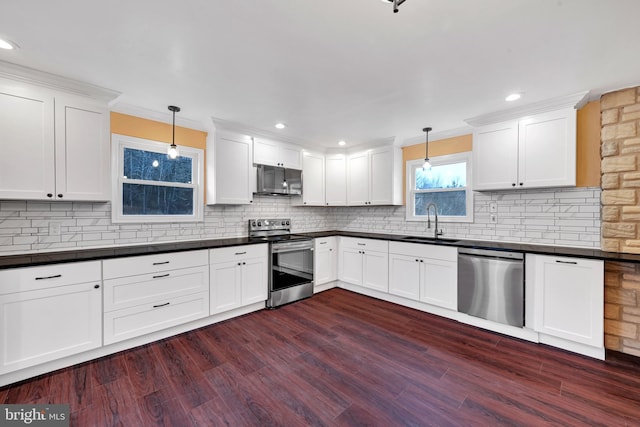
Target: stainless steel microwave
<point x="278" y="181"/>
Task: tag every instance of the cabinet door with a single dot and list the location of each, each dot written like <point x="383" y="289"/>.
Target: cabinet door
<point x="440" y="283"/>
<point x="495" y="156"/>
<point x="82" y="150"/>
<point x="350" y="265"/>
<point x="313" y="179"/>
<point x="569" y="299"/>
<point x="358" y="179"/>
<point x="375" y="270"/>
<point x="290" y="156"/>
<point x="255" y="278"/>
<point x="404" y="276"/>
<point x="324" y="266"/>
<point x="547" y="150"/>
<point x="336" y="180"/>
<point x="232" y="172"/>
<point x="265" y="152"/>
<point x="225" y="286"/>
<point x="381" y="176"/>
<point x="27" y="144"/>
<point x="48" y="324"/>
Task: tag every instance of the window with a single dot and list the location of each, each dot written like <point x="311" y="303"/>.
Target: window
<point x="447" y="184"/>
<point x="151" y="187"/>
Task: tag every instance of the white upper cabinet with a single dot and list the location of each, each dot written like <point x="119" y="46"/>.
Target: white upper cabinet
<point x="55" y="146"/>
<point x="230" y="175"/>
<point x="274" y="153"/>
<point x="533" y="152"/>
<point x="374" y="177"/>
<point x="336" y="180"/>
<point x="313" y="183"/>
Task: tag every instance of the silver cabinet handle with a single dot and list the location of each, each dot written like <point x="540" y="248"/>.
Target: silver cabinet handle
<point x="362" y="244"/>
<point x="323" y="243"/>
<point x="49" y="277"/>
<point x="161" y="275"/>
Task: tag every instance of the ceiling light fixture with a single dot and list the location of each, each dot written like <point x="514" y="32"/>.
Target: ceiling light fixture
<point x="426" y="165"/>
<point x="280" y="125"/>
<point x="172" y="152"/>
<point x="342" y="142"/>
<point x="513" y="97"/>
<point x="8" y="45"/>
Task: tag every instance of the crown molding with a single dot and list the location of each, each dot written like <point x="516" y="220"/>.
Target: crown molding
<point x="576" y="100"/>
<point x="145" y="113"/>
<point x="51" y="81"/>
<point x="437" y="136"/>
<point x="257" y="132"/>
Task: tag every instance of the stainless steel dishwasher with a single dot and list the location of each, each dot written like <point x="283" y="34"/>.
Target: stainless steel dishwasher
<point x="491" y="285"/>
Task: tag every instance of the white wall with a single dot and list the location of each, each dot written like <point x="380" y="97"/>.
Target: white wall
<point x="569" y="217"/>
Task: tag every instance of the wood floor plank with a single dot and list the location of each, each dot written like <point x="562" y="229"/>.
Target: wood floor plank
<point x="340" y="358"/>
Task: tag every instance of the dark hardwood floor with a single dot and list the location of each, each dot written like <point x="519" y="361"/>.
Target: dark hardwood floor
<point x="340" y="358"/>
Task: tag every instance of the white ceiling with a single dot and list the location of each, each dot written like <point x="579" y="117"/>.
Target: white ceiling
<point x="331" y="69"/>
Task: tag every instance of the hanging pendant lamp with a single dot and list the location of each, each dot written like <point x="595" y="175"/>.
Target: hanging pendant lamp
<point x="173" y="152"/>
<point x="426" y="165"/>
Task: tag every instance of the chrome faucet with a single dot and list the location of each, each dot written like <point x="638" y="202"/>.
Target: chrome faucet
<point x="436" y="233"/>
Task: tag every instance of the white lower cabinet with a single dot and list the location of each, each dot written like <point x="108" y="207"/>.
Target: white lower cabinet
<point x="364" y="262"/>
<point x="49" y="312"/>
<point x="325" y="265"/>
<point x="166" y="290"/>
<point x="426" y="273"/>
<point x="238" y="277"/>
<point x="569" y="300"/>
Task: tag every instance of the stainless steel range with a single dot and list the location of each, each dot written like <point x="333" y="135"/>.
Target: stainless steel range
<point x="290" y="260"/>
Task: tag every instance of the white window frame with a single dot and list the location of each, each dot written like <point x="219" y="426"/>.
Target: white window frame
<point x="118" y="144"/>
<point x="412" y="165"/>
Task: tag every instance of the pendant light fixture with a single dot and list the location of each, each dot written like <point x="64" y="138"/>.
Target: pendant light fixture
<point x="426" y="165"/>
<point x="173" y="152"/>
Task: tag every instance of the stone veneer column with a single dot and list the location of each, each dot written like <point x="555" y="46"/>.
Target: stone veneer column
<point x="620" y="119"/>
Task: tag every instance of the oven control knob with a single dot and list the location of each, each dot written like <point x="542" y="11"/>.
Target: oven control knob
<point x="282" y="222"/>
<point x="253" y="224"/>
<point x="259" y="224"/>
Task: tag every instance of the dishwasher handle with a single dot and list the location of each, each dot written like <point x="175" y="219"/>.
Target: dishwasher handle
<point x="490" y="253"/>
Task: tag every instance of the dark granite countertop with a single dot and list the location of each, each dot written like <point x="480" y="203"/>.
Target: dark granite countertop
<point x="54" y="257"/>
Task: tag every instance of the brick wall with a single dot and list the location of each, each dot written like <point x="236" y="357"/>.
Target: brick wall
<point x="620" y="167"/>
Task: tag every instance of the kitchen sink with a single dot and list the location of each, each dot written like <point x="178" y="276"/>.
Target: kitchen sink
<point x="421" y="239"/>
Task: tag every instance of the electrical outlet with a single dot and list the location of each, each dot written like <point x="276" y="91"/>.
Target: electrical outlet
<point x="493" y="218"/>
<point x="493" y="206"/>
<point x="54" y="229"/>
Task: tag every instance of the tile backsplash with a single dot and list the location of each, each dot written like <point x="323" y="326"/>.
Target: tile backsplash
<point x="567" y="217"/>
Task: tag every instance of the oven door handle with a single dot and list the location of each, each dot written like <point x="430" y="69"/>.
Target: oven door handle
<point x="291" y="247"/>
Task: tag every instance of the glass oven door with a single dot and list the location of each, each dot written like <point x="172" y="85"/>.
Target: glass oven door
<point x="291" y="264"/>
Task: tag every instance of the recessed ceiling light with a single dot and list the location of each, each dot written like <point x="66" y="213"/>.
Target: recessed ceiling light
<point x="513" y="97"/>
<point x="342" y="142"/>
<point x="280" y="125"/>
<point x="6" y="44"/>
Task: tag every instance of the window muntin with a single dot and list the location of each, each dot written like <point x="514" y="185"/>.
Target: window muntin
<point x="447" y="184"/>
<point x="150" y="187"/>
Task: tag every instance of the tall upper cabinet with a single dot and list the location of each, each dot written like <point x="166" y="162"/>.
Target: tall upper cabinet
<point x="530" y="147"/>
<point x="374" y="177"/>
<point x="230" y="174"/>
<point x="55" y="143"/>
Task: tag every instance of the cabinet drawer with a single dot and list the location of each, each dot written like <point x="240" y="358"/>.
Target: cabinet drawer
<point x="146" y="264"/>
<point x="136" y="321"/>
<point x="238" y="252"/>
<point x="370" y="244"/>
<point x="132" y="291"/>
<point x="47" y="276"/>
<point x="445" y="253"/>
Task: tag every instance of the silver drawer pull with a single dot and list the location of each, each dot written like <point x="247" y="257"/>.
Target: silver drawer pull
<point x="362" y="244"/>
<point x="160" y="263"/>
<point x="566" y="262"/>
<point x="323" y="243"/>
<point x="162" y="275"/>
<point x="162" y="305"/>
<point x="49" y="277"/>
<point x="241" y="253"/>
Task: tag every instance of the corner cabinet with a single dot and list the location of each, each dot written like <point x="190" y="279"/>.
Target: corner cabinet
<point x="48" y="313"/>
<point x="313" y="183"/>
<point x="275" y="153"/>
<point x="364" y="262"/>
<point x="425" y="273"/>
<point x="534" y="152"/>
<point x="325" y="265"/>
<point x="569" y="302"/>
<point x="336" y="180"/>
<point x="230" y="174"/>
<point x="239" y="276"/>
<point x="55" y="146"/>
<point x="374" y="177"/>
